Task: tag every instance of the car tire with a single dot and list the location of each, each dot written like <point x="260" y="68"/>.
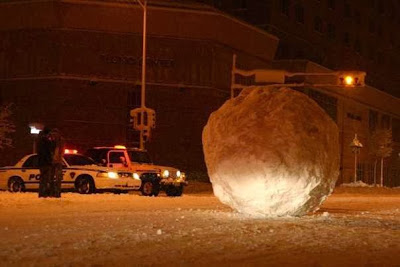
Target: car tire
<point x="174" y="191"/>
<point x="85" y="185"/>
<point x="179" y="191"/>
<point x="146" y="188"/>
<point x="156" y="188"/>
<point x="16" y="184"/>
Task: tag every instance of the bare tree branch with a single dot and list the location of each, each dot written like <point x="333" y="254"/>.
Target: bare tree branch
<point x="6" y="126"/>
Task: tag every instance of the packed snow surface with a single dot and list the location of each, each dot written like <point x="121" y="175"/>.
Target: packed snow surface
<point x="354" y="227"/>
<point x="271" y="152"/>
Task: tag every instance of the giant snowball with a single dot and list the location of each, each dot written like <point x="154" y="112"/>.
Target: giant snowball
<point x="271" y="152"/>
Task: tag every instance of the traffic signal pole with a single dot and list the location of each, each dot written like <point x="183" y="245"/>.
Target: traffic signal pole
<point x="143" y="89"/>
<point x="276" y="77"/>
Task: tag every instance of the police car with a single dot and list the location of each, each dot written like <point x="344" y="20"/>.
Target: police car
<point x="170" y="179"/>
<point x="79" y="172"/>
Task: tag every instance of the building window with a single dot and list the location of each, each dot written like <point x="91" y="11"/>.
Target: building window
<point x="381" y="7"/>
<point x="354" y="116"/>
<point x="346" y="39"/>
<point x="241" y="4"/>
<point x="371" y="54"/>
<point x="380" y="30"/>
<point x="357" y="46"/>
<point x="318" y="24"/>
<point x="392" y="42"/>
<point x="372" y="3"/>
<point x="299" y="13"/>
<point x="218" y="3"/>
<point x="357" y="17"/>
<point x="380" y="58"/>
<point x="347" y="10"/>
<point x="285" y="4"/>
<point x="386" y="122"/>
<point x="299" y="54"/>
<point x="371" y="26"/>
<point x="396" y="130"/>
<point x="331" y="31"/>
<point x="373" y="120"/>
<point x="328" y="103"/>
<point x="283" y="51"/>
<point x="331" y="4"/>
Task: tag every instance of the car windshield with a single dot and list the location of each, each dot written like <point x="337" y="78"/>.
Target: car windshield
<point x="139" y="156"/>
<point x="78" y="160"/>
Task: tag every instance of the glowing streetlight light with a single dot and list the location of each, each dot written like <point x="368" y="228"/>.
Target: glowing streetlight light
<point x="349" y="80"/>
<point x="35" y="129"/>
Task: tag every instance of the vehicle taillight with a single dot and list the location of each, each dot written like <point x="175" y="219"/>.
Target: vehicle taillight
<point x="70" y="151"/>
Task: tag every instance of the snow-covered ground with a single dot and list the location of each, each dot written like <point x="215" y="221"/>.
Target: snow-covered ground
<point x="355" y="227"/>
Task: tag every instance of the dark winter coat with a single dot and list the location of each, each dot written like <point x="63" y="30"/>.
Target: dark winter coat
<point x="45" y="149"/>
<point x="58" y="146"/>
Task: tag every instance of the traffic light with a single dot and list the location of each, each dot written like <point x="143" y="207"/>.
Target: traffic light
<point x="151" y="118"/>
<point x="351" y="79"/>
<point x="147" y="122"/>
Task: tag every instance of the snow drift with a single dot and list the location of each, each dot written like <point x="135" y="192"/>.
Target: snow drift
<point x="271" y="152"/>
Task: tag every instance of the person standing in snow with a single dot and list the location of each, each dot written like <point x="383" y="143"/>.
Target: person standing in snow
<point x="57" y="160"/>
<point x="45" y="159"/>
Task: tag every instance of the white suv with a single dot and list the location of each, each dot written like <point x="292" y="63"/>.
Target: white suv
<point x="169" y="179"/>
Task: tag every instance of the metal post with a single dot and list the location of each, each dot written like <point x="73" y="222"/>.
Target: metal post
<point x="355" y="167"/>
<point x="355" y="148"/>
<point x="382" y="171"/>
<point x="34" y="144"/>
<point x="143" y="91"/>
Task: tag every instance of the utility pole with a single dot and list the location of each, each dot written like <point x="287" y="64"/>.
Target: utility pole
<point x="148" y="122"/>
<point x="143" y="4"/>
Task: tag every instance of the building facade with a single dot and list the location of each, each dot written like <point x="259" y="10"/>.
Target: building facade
<point x="76" y="65"/>
<point x="338" y="34"/>
<point x="358" y="110"/>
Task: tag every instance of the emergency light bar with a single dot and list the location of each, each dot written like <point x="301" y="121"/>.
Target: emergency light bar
<point x="70" y="151"/>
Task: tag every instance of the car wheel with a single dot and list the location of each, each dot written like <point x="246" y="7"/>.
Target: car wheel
<point x="156" y="188"/>
<point x="85" y="185"/>
<point x="174" y="191"/>
<point x="15" y="184"/>
<point x="146" y="188"/>
<point x="179" y="191"/>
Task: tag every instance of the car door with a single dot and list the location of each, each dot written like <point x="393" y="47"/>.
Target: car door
<point x="68" y="176"/>
<point x="30" y="172"/>
<point x="117" y="159"/>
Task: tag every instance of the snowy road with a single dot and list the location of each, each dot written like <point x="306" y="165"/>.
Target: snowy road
<point x="357" y="227"/>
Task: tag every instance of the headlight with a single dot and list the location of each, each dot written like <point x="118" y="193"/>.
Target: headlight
<point x="111" y="175"/>
<point x="136" y="176"/>
<point x="165" y="174"/>
<point x="178" y="174"/>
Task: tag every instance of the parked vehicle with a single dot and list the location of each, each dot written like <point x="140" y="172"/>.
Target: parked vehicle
<point x="171" y="180"/>
<point x="79" y="172"/>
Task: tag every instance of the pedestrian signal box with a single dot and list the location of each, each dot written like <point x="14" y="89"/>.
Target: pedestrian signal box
<point x="144" y="119"/>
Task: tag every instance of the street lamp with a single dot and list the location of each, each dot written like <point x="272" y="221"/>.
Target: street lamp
<point x="355" y="148"/>
<point x="278" y="77"/>
<point x="143" y="4"/>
